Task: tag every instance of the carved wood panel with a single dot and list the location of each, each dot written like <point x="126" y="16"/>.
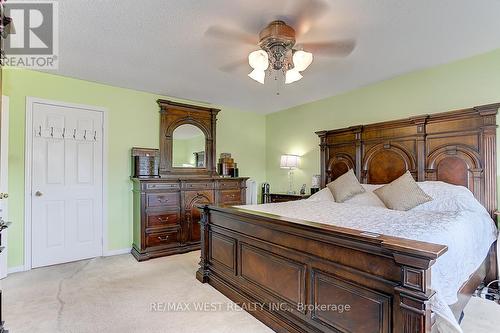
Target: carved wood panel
<point x="357" y="309"/>
<point x="192" y="214"/>
<point x="385" y="162"/>
<point x="172" y="115"/>
<point x="457" y="147"/>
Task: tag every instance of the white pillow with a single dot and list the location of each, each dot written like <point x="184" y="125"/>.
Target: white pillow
<point x="367" y="198"/>
<point x="448" y="197"/>
<point x="364" y="199"/>
<point x="402" y="193"/>
<point x="323" y="195"/>
<point x="371" y="187"/>
<point x="345" y="187"/>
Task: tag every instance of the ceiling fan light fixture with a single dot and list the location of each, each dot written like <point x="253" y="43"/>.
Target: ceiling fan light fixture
<point x="258" y="60"/>
<point x="302" y="60"/>
<point x="292" y="75"/>
<point x="258" y="75"/>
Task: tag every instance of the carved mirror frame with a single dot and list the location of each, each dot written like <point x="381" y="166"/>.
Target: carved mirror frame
<point x="173" y="115"/>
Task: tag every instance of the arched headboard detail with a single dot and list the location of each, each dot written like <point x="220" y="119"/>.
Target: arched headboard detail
<point x="385" y="162"/>
<point x="338" y="165"/>
<point x="457" y="147"/>
<point x="458" y="165"/>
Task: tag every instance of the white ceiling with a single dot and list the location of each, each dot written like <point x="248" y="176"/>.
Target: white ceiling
<point x="159" y="46"/>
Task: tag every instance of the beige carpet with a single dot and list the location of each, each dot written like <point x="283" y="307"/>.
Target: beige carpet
<point x="115" y="294"/>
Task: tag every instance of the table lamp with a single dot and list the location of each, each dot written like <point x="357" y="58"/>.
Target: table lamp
<point x="289" y="162"/>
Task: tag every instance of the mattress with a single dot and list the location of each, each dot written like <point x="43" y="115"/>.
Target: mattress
<point x="454" y="218"/>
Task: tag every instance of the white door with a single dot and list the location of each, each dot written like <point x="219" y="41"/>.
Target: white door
<point x="66" y="186"/>
<point x="4" y="180"/>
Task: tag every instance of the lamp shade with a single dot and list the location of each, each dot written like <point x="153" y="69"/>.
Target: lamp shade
<point x="292" y="75"/>
<point x="258" y="75"/>
<point x="289" y="161"/>
<point x="258" y="60"/>
<point x="302" y="60"/>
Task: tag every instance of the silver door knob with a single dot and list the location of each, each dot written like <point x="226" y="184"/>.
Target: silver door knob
<point x="38" y="193"/>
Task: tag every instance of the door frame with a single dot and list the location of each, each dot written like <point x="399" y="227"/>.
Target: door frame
<point x="28" y="164"/>
<point x="4" y="151"/>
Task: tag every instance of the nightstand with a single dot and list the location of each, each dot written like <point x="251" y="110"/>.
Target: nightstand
<point x="282" y="197"/>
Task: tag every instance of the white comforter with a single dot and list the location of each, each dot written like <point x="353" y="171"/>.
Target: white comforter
<point x="468" y="233"/>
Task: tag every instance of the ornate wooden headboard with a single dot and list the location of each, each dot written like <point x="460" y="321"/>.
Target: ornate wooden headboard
<point x="457" y="147"/>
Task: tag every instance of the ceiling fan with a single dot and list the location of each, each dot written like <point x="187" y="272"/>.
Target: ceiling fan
<point x="279" y="54"/>
<point x="6" y="28"/>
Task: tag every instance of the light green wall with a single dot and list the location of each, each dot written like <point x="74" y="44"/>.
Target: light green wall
<point x="255" y="141"/>
<point x="133" y="120"/>
<point x="194" y="145"/>
<point x="183" y="150"/>
<point x="179" y="152"/>
<point x="466" y="83"/>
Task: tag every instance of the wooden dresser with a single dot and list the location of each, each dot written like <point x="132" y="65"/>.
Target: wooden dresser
<point x="166" y="219"/>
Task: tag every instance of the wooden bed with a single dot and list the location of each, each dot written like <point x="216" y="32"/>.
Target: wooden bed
<point x="286" y="266"/>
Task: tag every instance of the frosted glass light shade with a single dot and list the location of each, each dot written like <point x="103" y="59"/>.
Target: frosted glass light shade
<point x="258" y="60"/>
<point x="292" y="75"/>
<point x="258" y="75"/>
<point x="302" y="60"/>
<point x="289" y="161"/>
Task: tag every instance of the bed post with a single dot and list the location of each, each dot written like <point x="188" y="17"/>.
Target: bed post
<point x="420" y="122"/>
<point x="202" y="272"/>
<point x="323" y="157"/>
<point x="414" y="295"/>
<point x="489" y="156"/>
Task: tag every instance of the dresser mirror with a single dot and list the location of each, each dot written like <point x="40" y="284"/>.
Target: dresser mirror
<point x="188" y="147"/>
<point x="187" y="140"/>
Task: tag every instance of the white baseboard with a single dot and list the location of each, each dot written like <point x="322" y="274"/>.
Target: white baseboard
<point x="117" y="252"/>
<point x="15" y="269"/>
<point x="18" y="269"/>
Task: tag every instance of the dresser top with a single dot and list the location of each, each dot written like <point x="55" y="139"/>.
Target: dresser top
<point x="188" y="179"/>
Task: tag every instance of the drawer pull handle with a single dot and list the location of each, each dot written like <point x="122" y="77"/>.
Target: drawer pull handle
<point x="163" y="238"/>
<point x="163" y="219"/>
<point x="162" y="200"/>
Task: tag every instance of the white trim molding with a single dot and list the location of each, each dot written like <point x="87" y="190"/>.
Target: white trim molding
<point x="30" y="101"/>
<point x="4" y="181"/>
<point x="16" y="269"/>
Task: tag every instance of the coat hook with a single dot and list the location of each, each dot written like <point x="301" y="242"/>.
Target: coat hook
<point x="74" y="133"/>
<point x="52" y="131"/>
<point x="85" y="135"/>
<point x="40" y="130"/>
<point x="64" y="132"/>
<point x="95" y="135"/>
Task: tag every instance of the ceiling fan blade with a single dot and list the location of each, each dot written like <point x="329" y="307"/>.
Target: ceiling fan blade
<point x="307" y="13"/>
<point x="230" y="35"/>
<point x="234" y="66"/>
<point x="341" y="48"/>
<point x="8" y="24"/>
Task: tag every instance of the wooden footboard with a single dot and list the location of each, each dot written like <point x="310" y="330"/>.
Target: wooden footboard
<point x="298" y="276"/>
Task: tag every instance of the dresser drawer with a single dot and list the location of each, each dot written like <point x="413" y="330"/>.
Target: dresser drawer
<point x="230" y="197"/>
<point x="162" y="199"/>
<point x="162" y="238"/>
<point x="163" y="186"/>
<point x="229" y="185"/>
<point x="198" y="186"/>
<point x="158" y="220"/>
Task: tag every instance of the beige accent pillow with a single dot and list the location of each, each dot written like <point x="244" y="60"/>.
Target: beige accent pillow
<point x="345" y="187"/>
<point x="402" y="193"/>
